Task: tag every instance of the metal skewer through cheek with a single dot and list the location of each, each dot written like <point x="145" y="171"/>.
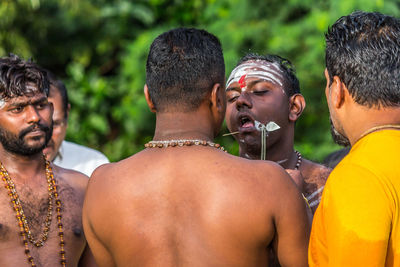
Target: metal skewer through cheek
<point x="233" y="133"/>
<point x="265" y="130"/>
<point x="264" y="135"/>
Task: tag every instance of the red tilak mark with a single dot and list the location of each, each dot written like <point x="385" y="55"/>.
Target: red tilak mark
<point x="242" y="82"/>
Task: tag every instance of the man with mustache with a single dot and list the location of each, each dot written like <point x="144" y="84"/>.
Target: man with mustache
<point x="357" y="222"/>
<point x="64" y="153"/>
<point x="265" y="89"/>
<point x="40" y="203"/>
<point x="183" y="201"/>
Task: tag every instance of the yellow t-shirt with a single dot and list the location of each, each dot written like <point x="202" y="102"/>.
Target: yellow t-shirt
<point x="357" y="222"/>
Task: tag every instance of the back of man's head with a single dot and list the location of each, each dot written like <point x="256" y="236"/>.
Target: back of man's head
<point x="182" y="66"/>
<point x="16" y="73"/>
<point x="292" y="85"/>
<point x="363" y="50"/>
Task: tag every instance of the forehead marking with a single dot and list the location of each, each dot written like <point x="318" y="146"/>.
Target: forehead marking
<point x="242" y="82"/>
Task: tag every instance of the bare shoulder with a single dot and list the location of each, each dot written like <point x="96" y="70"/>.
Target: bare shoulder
<point x="76" y="180"/>
<point x="314" y="172"/>
<point x="105" y="192"/>
<point x="267" y="172"/>
<point x="315" y="176"/>
<point x="266" y="178"/>
<point x="115" y="175"/>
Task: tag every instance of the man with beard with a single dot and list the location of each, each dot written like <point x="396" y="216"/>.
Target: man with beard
<point x="63" y="153"/>
<point x="357" y="222"/>
<point x="183" y="201"/>
<point x="265" y="89"/>
<point x="40" y="217"/>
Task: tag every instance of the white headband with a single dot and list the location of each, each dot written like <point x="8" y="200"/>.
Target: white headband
<point x="2" y="102"/>
<point x="257" y="68"/>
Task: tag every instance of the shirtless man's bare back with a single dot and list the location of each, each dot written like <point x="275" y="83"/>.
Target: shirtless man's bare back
<point x="25" y="128"/>
<point x="264" y="89"/>
<point x="192" y="204"/>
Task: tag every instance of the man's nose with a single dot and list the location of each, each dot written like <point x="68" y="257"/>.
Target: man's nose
<point x="32" y="114"/>
<point x="244" y="100"/>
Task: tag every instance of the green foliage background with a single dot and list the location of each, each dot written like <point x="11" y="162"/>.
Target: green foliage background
<point x="99" y="49"/>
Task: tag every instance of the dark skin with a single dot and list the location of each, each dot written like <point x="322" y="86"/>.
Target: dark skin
<point x="193" y="205"/>
<point x="28" y="174"/>
<point x="266" y="100"/>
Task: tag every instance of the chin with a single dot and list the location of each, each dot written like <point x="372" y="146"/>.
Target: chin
<point x="249" y="142"/>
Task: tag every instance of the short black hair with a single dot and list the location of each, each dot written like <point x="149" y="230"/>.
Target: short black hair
<point x="182" y="66"/>
<point x="16" y="73"/>
<point x="289" y="72"/>
<point x="363" y="50"/>
<point x="60" y="87"/>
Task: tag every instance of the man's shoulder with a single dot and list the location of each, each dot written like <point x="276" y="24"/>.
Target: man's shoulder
<point x="254" y="168"/>
<point x="315" y="172"/>
<point x="266" y="177"/>
<point x="74" y="179"/>
<point x="248" y="174"/>
<point x="349" y="175"/>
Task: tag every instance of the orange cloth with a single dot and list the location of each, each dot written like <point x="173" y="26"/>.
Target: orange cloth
<point x="358" y="220"/>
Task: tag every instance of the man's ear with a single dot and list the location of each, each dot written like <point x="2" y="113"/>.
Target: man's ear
<point x="148" y="99"/>
<point x="217" y="106"/>
<point x="68" y="109"/>
<point x="218" y="98"/>
<point x="297" y="104"/>
<point x="338" y="92"/>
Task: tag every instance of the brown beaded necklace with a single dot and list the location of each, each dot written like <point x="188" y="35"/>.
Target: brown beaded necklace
<point x="183" y="142"/>
<point x="25" y="231"/>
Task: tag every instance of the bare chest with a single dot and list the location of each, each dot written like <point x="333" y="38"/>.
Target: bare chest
<point x="35" y="204"/>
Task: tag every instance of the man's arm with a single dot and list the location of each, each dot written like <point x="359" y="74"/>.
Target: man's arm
<point x="94" y="217"/>
<point x="353" y="223"/>
<point x="291" y="222"/>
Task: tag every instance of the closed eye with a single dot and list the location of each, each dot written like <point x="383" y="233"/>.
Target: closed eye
<point x="260" y="92"/>
<point x="232" y="95"/>
<point x="232" y="99"/>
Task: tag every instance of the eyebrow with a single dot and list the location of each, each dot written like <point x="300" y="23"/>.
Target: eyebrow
<point x="252" y="83"/>
<point x="29" y="102"/>
<point x="232" y="89"/>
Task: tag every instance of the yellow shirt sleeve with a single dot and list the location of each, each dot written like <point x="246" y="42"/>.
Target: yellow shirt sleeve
<point x="353" y="222"/>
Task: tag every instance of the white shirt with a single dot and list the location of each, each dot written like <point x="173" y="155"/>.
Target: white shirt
<point x="79" y="158"/>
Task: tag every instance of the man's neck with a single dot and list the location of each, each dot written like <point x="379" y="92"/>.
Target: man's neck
<point x="368" y="118"/>
<point x="22" y="167"/>
<point x="179" y="125"/>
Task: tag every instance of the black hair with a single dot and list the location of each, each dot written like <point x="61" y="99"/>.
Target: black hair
<point x="16" y="73"/>
<point x="182" y="66"/>
<point x="289" y="72"/>
<point x="60" y="87"/>
<point x="363" y="50"/>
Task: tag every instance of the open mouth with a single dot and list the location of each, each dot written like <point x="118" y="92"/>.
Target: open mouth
<point x="246" y="122"/>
